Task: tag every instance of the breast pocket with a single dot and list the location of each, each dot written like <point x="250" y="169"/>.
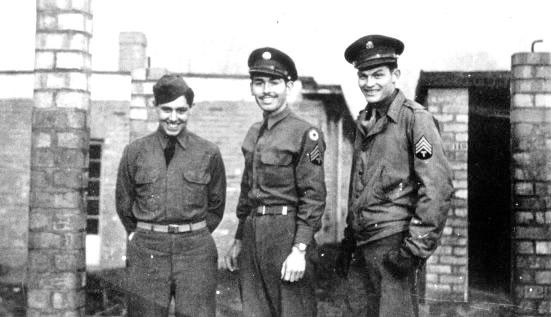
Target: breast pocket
<point x="195" y="186"/>
<point x="277" y="168"/>
<point x="146" y="194"/>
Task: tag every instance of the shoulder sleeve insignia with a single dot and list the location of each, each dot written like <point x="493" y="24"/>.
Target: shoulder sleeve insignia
<point x="313" y="135"/>
<point x="315" y="156"/>
<point x="423" y="149"/>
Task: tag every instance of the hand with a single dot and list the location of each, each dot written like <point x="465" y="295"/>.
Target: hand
<point x="401" y="261"/>
<point x="294" y="266"/>
<point x="344" y="256"/>
<point x="231" y="257"/>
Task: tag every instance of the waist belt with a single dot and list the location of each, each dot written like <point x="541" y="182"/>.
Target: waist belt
<point x="274" y="210"/>
<point x="187" y="227"/>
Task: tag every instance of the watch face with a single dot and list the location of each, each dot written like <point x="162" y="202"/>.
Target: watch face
<point x="301" y="246"/>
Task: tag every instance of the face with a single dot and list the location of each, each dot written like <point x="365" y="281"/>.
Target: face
<point x="270" y="93"/>
<point x="173" y="116"/>
<point x="377" y="83"/>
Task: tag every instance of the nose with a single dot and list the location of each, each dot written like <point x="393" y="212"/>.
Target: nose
<point x="172" y="116"/>
<point x="267" y="87"/>
<point x="370" y="81"/>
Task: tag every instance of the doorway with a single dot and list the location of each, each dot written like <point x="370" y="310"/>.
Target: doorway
<point x="490" y="223"/>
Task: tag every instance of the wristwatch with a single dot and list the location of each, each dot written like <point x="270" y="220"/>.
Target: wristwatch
<point x="300" y="246"/>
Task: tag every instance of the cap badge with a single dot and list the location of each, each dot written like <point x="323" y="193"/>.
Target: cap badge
<point x="266" y="55"/>
<point x="313" y="135"/>
<point x="369" y="45"/>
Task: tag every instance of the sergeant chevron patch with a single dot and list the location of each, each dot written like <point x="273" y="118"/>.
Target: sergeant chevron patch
<point x="315" y="156"/>
<point x="423" y="149"/>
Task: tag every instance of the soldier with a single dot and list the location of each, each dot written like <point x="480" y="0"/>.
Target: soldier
<point x="400" y="186"/>
<point x="170" y="196"/>
<point x="282" y="197"/>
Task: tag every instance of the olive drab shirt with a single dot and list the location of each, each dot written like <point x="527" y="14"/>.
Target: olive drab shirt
<point x="284" y="167"/>
<point x="401" y="180"/>
<point x="192" y="188"/>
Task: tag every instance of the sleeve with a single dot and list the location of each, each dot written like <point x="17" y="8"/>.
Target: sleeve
<point x="435" y="190"/>
<point x="244" y="204"/>
<point x="216" y="192"/>
<point x="124" y="194"/>
<point x="310" y="180"/>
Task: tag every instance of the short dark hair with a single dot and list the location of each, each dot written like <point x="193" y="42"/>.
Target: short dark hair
<point x="170" y="87"/>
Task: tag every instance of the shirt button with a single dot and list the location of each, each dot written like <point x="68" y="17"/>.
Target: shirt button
<point x="360" y="173"/>
<point x="357" y="196"/>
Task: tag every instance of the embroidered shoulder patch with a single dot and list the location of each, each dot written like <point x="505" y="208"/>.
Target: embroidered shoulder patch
<point x="315" y="156"/>
<point x="423" y="149"/>
<point x="313" y="135"/>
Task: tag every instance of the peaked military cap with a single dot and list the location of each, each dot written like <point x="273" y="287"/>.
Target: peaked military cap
<point x="169" y="87"/>
<point x="373" y="50"/>
<point x="271" y="61"/>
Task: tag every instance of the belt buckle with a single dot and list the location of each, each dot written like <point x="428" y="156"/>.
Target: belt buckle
<point x="173" y="228"/>
<point x="263" y="209"/>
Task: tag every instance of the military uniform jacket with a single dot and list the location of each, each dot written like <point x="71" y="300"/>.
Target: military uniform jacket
<point x="284" y="167"/>
<point x="401" y="180"/>
<point x="192" y="188"/>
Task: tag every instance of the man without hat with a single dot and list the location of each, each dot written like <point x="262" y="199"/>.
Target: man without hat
<point x="400" y="186"/>
<point x="282" y="197"/>
<point x="170" y="196"/>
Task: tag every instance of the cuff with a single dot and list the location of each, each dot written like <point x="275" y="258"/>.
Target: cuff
<point x="304" y="234"/>
<point x="239" y="231"/>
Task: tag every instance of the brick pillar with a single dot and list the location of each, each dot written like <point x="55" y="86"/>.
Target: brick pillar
<point x="59" y="146"/>
<point x="132" y="51"/>
<point x="531" y="183"/>
<point x="446" y="270"/>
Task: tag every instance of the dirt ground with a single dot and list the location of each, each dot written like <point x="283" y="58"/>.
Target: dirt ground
<point x="336" y="297"/>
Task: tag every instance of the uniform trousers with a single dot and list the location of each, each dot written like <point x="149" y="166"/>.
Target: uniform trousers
<point x="388" y="294"/>
<point x="267" y="241"/>
<point x="162" y="265"/>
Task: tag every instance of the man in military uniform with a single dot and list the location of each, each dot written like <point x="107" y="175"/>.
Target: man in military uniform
<point x="282" y="197"/>
<point x="400" y="186"/>
<point x="170" y="195"/>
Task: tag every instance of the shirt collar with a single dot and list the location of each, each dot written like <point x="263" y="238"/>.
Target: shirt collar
<point x="182" y="138"/>
<point x="272" y="120"/>
<point x="392" y="107"/>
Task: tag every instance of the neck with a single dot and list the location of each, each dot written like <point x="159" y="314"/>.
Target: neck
<point x="275" y="112"/>
<point x="386" y="101"/>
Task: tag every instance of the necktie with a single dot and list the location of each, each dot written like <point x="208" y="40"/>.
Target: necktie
<point x="169" y="150"/>
<point x="370" y="120"/>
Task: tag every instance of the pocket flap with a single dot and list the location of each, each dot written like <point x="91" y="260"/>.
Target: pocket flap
<point x="146" y="176"/>
<point x="197" y="176"/>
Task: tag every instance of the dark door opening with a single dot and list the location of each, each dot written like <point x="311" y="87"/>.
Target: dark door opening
<point x="489" y="194"/>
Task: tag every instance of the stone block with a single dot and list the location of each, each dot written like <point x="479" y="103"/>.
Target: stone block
<point x="44" y="60"/>
<point x="523" y="188"/>
<point x="543" y="247"/>
<point x="44" y="240"/>
<point x="40" y="219"/>
<point x="461" y="212"/>
<point x="73" y="140"/>
<point x="81" y="5"/>
<point x="138" y="102"/>
<point x="439" y="269"/>
<point x="460" y="251"/>
<point x="543" y="277"/>
<point x="68" y="300"/>
<point x="452" y="279"/>
<point x="522" y="100"/>
<point x="461" y="193"/>
<point x="462" y="137"/>
<point x="70" y="261"/>
<point x="50" y="41"/>
<point x="531" y="58"/>
<point x="71" y="158"/>
<point x="534" y="233"/>
<point x="69" y="220"/>
<point x="531" y="115"/>
<point x="74" y="240"/>
<point x="71" y="21"/>
<point x="39" y="299"/>
<point x="41" y="139"/>
<point x="69" y="178"/>
<point x="454" y="260"/>
<point x="523" y="71"/>
<point x="543" y="100"/>
<point x="531" y="86"/>
<point x="455" y="127"/>
<point x="57" y="80"/>
<point x="138" y="114"/>
<point x="40" y="261"/>
<point x="534" y="291"/>
<point x="55" y="281"/>
<point x="78" y="80"/>
<point x="444" y="118"/>
<point x="72" y="60"/>
<point x="543" y="71"/>
<point x="524" y="247"/>
<point x="524" y="218"/>
<point x="79" y="42"/>
<point x="42" y="157"/>
<point x="46" y="21"/>
<point x="43" y="99"/>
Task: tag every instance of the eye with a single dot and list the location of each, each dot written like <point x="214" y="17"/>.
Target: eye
<point x="181" y="110"/>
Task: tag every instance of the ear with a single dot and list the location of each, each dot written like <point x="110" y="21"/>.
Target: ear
<point x="396" y="74"/>
<point x="251" y="86"/>
<point x="290" y="84"/>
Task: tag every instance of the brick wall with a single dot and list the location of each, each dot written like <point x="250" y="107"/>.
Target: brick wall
<point x="446" y="270"/>
<point x="531" y="169"/>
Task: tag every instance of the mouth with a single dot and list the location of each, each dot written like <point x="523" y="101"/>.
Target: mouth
<point x="370" y="92"/>
<point x="173" y="125"/>
<point x="267" y="99"/>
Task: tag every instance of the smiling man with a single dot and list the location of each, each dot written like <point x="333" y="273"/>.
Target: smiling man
<point x="400" y="185"/>
<point x="282" y="197"/>
<point x="170" y="196"/>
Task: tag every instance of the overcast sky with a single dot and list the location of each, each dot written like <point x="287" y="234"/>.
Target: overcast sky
<point x="217" y="35"/>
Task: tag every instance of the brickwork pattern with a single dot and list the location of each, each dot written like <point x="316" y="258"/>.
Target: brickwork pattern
<point x="446" y="270"/>
<point x="531" y="183"/>
<point x="59" y="145"/>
